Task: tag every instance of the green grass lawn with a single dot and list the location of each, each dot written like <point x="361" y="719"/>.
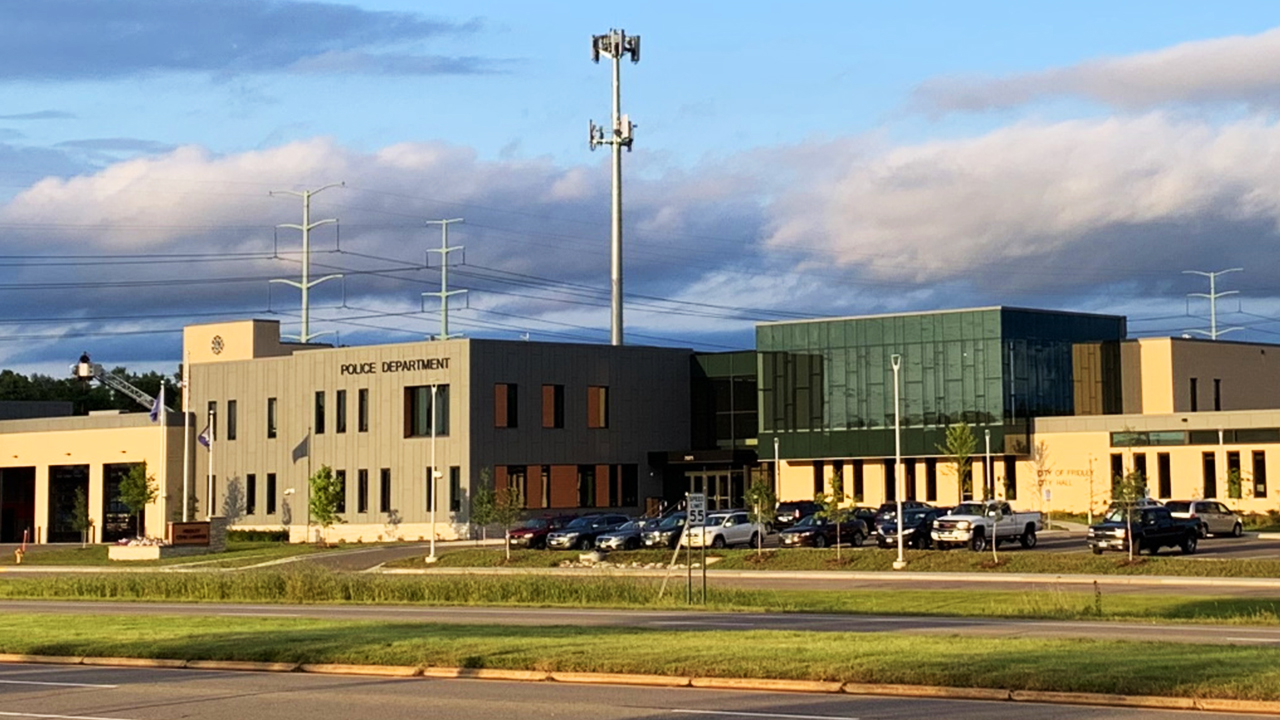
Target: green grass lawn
<point x="314" y="586"/>
<point x="1013" y="560"/>
<point x="238" y="554"/>
<point x="1237" y="672"/>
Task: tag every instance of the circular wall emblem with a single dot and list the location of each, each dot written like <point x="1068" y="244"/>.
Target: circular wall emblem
<point x="217" y="345"/>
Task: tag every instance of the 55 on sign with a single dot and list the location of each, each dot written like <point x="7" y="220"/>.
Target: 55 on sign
<point x="697" y="509"/>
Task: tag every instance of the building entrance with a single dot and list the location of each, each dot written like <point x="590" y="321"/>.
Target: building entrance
<point x="64" y="481"/>
<point x="17" y="504"/>
<point x="117" y="521"/>
<point x="725" y="489"/>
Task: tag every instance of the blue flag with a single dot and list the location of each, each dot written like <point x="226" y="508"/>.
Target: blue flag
<point x="203" y="437"/>
<point x="158" y="406"/>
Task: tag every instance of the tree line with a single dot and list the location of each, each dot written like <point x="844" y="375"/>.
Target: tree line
<point x="87" y="396"/>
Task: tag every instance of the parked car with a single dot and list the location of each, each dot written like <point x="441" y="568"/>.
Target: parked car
<point x="626" y="537"/>
<point x="917" y="528"/>
<point x="666" y="533"/>
<point x="724" y="529"/>
<point x="974" y="524"/>
<point x="819" y="532"/>
<point x="532" y="533"/>
<point x="581" y="534"/>
<point x="1150" y="527"/>
<point x="1214" y="517"/>
<point x="790" y="512"/>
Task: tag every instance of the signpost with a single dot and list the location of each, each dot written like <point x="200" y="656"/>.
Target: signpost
<point x="696" y="517"/>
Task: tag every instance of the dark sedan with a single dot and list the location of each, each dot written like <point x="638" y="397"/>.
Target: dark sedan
<point x="916" y="526"/>
<point x="581" y="534"/>
<point x="814" y="531"/>
<point x="666" y="533"/>
<point x="626" y="537"/>
<point x="790" y="512"/>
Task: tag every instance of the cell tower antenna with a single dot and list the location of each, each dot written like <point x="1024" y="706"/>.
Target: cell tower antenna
<point x="614" y="45"/>
<point x="1212" y="296"/>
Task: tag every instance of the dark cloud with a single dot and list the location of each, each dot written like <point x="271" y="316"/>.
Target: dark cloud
<point x="117" y="145"/>
<point x="95" y="39"/>
<point x="40" y="115"/>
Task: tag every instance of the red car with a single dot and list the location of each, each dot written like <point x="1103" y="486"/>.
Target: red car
<point x="532" y="533"/>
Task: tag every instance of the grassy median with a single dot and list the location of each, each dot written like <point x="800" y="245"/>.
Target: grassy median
<point x="238" y="554"/>
<point x="1009" y="663"/>
<point x="316" y="586"/>
<point x="870" y="559"/>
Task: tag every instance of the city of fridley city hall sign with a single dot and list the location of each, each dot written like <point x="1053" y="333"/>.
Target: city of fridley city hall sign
<point x="390" y="366"/>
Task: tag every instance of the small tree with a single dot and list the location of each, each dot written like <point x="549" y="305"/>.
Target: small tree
<point x="326" y="497"/>
<point x="484" y="502"/>
<point x="831" y="504"/>
<point x="1127" y="490"/>
<point x="763" y="504"/>
<point x="958" y="448"/>
<point x="1235" y="484"/>
<point x="507" y="511"/>
<point x="138" y="490"/>
<point x="80" y="516"/>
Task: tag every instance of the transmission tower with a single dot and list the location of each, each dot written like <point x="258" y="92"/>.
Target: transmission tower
<point x="305" y="336"/>
<point x="1212" y="296"/>
<point x="614" y="45"/>
<point x="445" y="293"/>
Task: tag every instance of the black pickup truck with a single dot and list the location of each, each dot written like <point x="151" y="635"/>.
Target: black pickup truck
<point x="1152" y="528"/>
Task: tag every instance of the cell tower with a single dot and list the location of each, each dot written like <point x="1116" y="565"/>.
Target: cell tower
<point x="614" y="45"/>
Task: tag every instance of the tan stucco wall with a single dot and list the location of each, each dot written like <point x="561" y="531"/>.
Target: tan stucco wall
<point x="1156" y="358"/>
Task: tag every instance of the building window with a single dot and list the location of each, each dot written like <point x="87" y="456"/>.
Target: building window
<point x="587" y="486"/>
<point x="231" y="419"/>
<point x="362" y="491"/>
<point x="384" y="491"/>
<point x="1209" y="474"/>
<point x="1259" y="473"/>
<point x="1217" y="393"/>
<point x="909" y="479"/>
<point x="1195" y="394"/>
<point x="597" y="406"/>
<point x="506" y="405"/>
<point x="271" y="493"/>
<point x="341" y="477"/>
<point x="890" y="480"/>
<point x="1117" y="470"/>
<point x="455" y="489"/>
<point x="420" y="417"/>
<point x="1010" y="478"/>
<point x="250" y="492"/>
<point x="340" y="423"/>
<point x="431" y="489"/>
<point x="546" y="486"/>
<point x="1140" y="466"/>
<point x="630" y="486"/>
<point x="517" y="481"/>
<point x="859" y="487"/>
<point x="362" y="410"/>
<point x="930" y="480"/>
<point x="272" y="427"/>
<point x="819" y="479"/>
<point x="1234" y="490"/>
<point x="1164" y="475"/>
<point x="553" y="406"/>
<point x="318" y="426"/>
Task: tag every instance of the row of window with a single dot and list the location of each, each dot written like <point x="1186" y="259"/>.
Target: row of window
<point x="506" y="406"/>
<point x="910" y="480"/>
<point x="1195" y="394"/>
<point x="362" y="492"/>
<point x="1241" y="436"/>
<point x="1237" y="483"/>
<point x="426" y="412"/>
<point x="567" y="486"/>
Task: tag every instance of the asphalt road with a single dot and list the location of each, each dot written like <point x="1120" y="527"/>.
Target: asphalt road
<point x="98" y="693"/>
<point x="679" y="620"/>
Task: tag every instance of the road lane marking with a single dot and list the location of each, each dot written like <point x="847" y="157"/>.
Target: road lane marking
<point x="733" y="713"/>
<point x="56" y="684"/>
<point x="257" y="614"/>
<point x="3" y="714"/>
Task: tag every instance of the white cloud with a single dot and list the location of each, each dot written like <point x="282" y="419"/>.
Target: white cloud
<point x="1237" y="69"/>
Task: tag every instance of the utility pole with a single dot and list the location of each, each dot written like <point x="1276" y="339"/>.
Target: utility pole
<point x="305" y="336"/>
<point x="614" y="45"/>
<point x="1213" y="296"/>
<point x="445" y="292"/>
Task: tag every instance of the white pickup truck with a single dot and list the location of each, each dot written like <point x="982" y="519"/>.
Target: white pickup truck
<point x="977" y="523"/>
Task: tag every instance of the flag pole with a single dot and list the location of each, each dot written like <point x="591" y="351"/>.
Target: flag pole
<point x="213" y="436"/>
<point x="186" y="437"/>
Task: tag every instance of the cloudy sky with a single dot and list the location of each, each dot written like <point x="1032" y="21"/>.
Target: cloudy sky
<point x="815" y="159"/>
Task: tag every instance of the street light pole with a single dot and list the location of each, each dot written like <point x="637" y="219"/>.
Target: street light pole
<point x="777" y="470"/>
<point x="896" y="361"/>
<point x="987" y="482"/>
<point x="435" y="477"/>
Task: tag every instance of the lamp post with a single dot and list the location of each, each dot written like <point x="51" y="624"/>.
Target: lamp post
<point x="777" y="470"/>
<point x="435" y="477"/>
<point x="986" y="469"/>
<point x="896" y="361"/>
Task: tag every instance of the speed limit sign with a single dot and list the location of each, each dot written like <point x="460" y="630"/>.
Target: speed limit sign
<point x="697" y="509"/>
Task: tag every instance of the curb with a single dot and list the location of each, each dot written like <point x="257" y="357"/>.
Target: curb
<point x="757" y="684"/>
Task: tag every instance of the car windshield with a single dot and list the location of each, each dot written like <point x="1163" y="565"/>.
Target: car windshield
<point x="810" y="521"/>
<point x="970" y="509"/>
<point x="1122" y="514"/>
<point x="629" y="527"/>
<point x="1178" y="507"/>
<point x="581" y="523"/>
<point x="717" y="520"/>
<point x="914" y="517"/>
<point x="787" y="508"/>
<point x="534" y="524"/>
<point x="673" y="521"/>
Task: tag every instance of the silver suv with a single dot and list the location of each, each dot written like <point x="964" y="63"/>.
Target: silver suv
<point x="1215" y="518"/>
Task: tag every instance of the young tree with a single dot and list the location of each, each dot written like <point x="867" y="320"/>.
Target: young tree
<point x="138" y="490"/>
<point x="958" y="448"/>
<point x="484" y="502"/>
<point x="832" y="510"/>
<point x="80" y="516"/>
<point x="1235" y="484"/>
<point x="507" y="509"/>
<point x="326" y="496"/>
<point x="1126" y="491"/>
<point x="763" y="504"/>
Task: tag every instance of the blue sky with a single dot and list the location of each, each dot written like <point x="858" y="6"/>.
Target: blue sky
<point x="810" y="159"/>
